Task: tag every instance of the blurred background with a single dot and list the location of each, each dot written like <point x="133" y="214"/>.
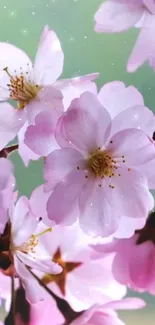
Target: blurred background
<point x="21" y="23"/>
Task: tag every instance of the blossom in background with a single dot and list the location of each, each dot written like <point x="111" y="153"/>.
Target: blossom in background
<point x="114" y="16"/>
<point x="34" y="88"/>
<point x="126" y="108"/>
<point x="94" y="175"/>
<point x="134" y="261"/>
<point x="21" y="249"/>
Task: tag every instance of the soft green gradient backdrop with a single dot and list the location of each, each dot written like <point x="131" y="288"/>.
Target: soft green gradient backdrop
<point x="85" y="51"/>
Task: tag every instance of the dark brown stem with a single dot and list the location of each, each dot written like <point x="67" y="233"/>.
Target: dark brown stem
<point x="4" y="153"/>
<point x="63" y="306"/>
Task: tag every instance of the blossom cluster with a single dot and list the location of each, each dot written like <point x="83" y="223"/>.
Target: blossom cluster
<point x="69" y="252"/>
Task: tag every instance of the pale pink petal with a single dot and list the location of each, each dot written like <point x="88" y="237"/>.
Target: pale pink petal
<point x="126" y="304"/>
<point x="49" y="59"/>
<point x="25" y="153"/>
<point x="150" y="5"/>
<point x="38" y="202"/>
<point x="96" y="212"/>
<point x="148" y="169"/>
<point x="107" y="317"/>
<point x="60" y="163"/>
<point x="48" y="99"/>
<point x="127" y="227"/>
<point x="144" y="48"/>
<point x="85" y="115"/>
<point x="132" y="146"/>
<point x="116" y="97"/>
<point x="40" y="137"/>
<point x="114" y="17"/>
<point x="60" y="134"/>
<point x="11" y="121"/>
<point x="34" y="291"/>
<point x="126" y="187"/>
<point x="22" y="216"/>
<point x="139" y="117"/>
<point x="140" y="265"/>
<point x="73" y="88"/>
<point x="40" y="263"/>
<point x="62" y="204"/>
<point x="16" y="60"/>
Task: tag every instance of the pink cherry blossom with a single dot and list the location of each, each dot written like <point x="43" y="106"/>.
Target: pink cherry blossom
<point x="134" y="260"/>
<point x="115" y="16"/>
<point x="85" y="280"/>
<point x="25" y="249"/>
<point x="88" y="175"/>
<point x="35" y="89"/>
<point x="7" y="184"/>
<point x="105" y="314"/>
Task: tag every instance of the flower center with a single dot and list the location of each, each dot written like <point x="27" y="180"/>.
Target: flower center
<point x="101" y="164"/>
<point x="21" y="90"/>
<point x="29" y="246"/>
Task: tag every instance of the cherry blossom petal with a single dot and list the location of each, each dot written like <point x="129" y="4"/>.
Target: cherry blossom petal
<point x="16" y="60"/>
<point x="33" y="290"/>
<point x="48" y="99"/>
<point x="60" y="163"/>
<point x="73" y="88"/>
<point x="140" y="265"/>
<point x="126" y="304"/>
<point x="62" y="204"/>
<point x="60" y="134"/>
<point x="114" y="17"/>
<point x="126" y="187"/>
<point x="85" y="115"/>
<point x="148" y="169"/>
<point x="139" y="117"/>
<point x="40" y="263"/>
<point x="25" y="152"/>
<point x="11" y="120"/>
<point x="48" y="64"/>
<point x="116" y="97"/>
<point x="134" y="145"/>
<point x="96" y="212"/>
<point x="38" y="202"/>
<point x="144" y="48"/>
<point x="40" y="137"/>
<point x="22" y="216"/>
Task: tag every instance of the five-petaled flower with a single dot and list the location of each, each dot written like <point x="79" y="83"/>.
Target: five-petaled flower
<point x="97" y="177"/>
<point x="34" y="88"/>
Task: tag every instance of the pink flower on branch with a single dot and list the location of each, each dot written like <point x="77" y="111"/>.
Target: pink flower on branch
<point x="97" y="177"/>
<point x="34" y="88"/>
<point x="115" y="16"/>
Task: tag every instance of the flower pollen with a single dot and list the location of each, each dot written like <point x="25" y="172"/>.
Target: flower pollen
<point x="21" y="90"/>
<point x="101" y="164"/>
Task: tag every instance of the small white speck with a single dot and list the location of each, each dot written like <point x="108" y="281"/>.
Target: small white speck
<point x="33" y="13"/>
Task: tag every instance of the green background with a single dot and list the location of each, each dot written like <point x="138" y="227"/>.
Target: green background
<point x="21" y="23"/>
